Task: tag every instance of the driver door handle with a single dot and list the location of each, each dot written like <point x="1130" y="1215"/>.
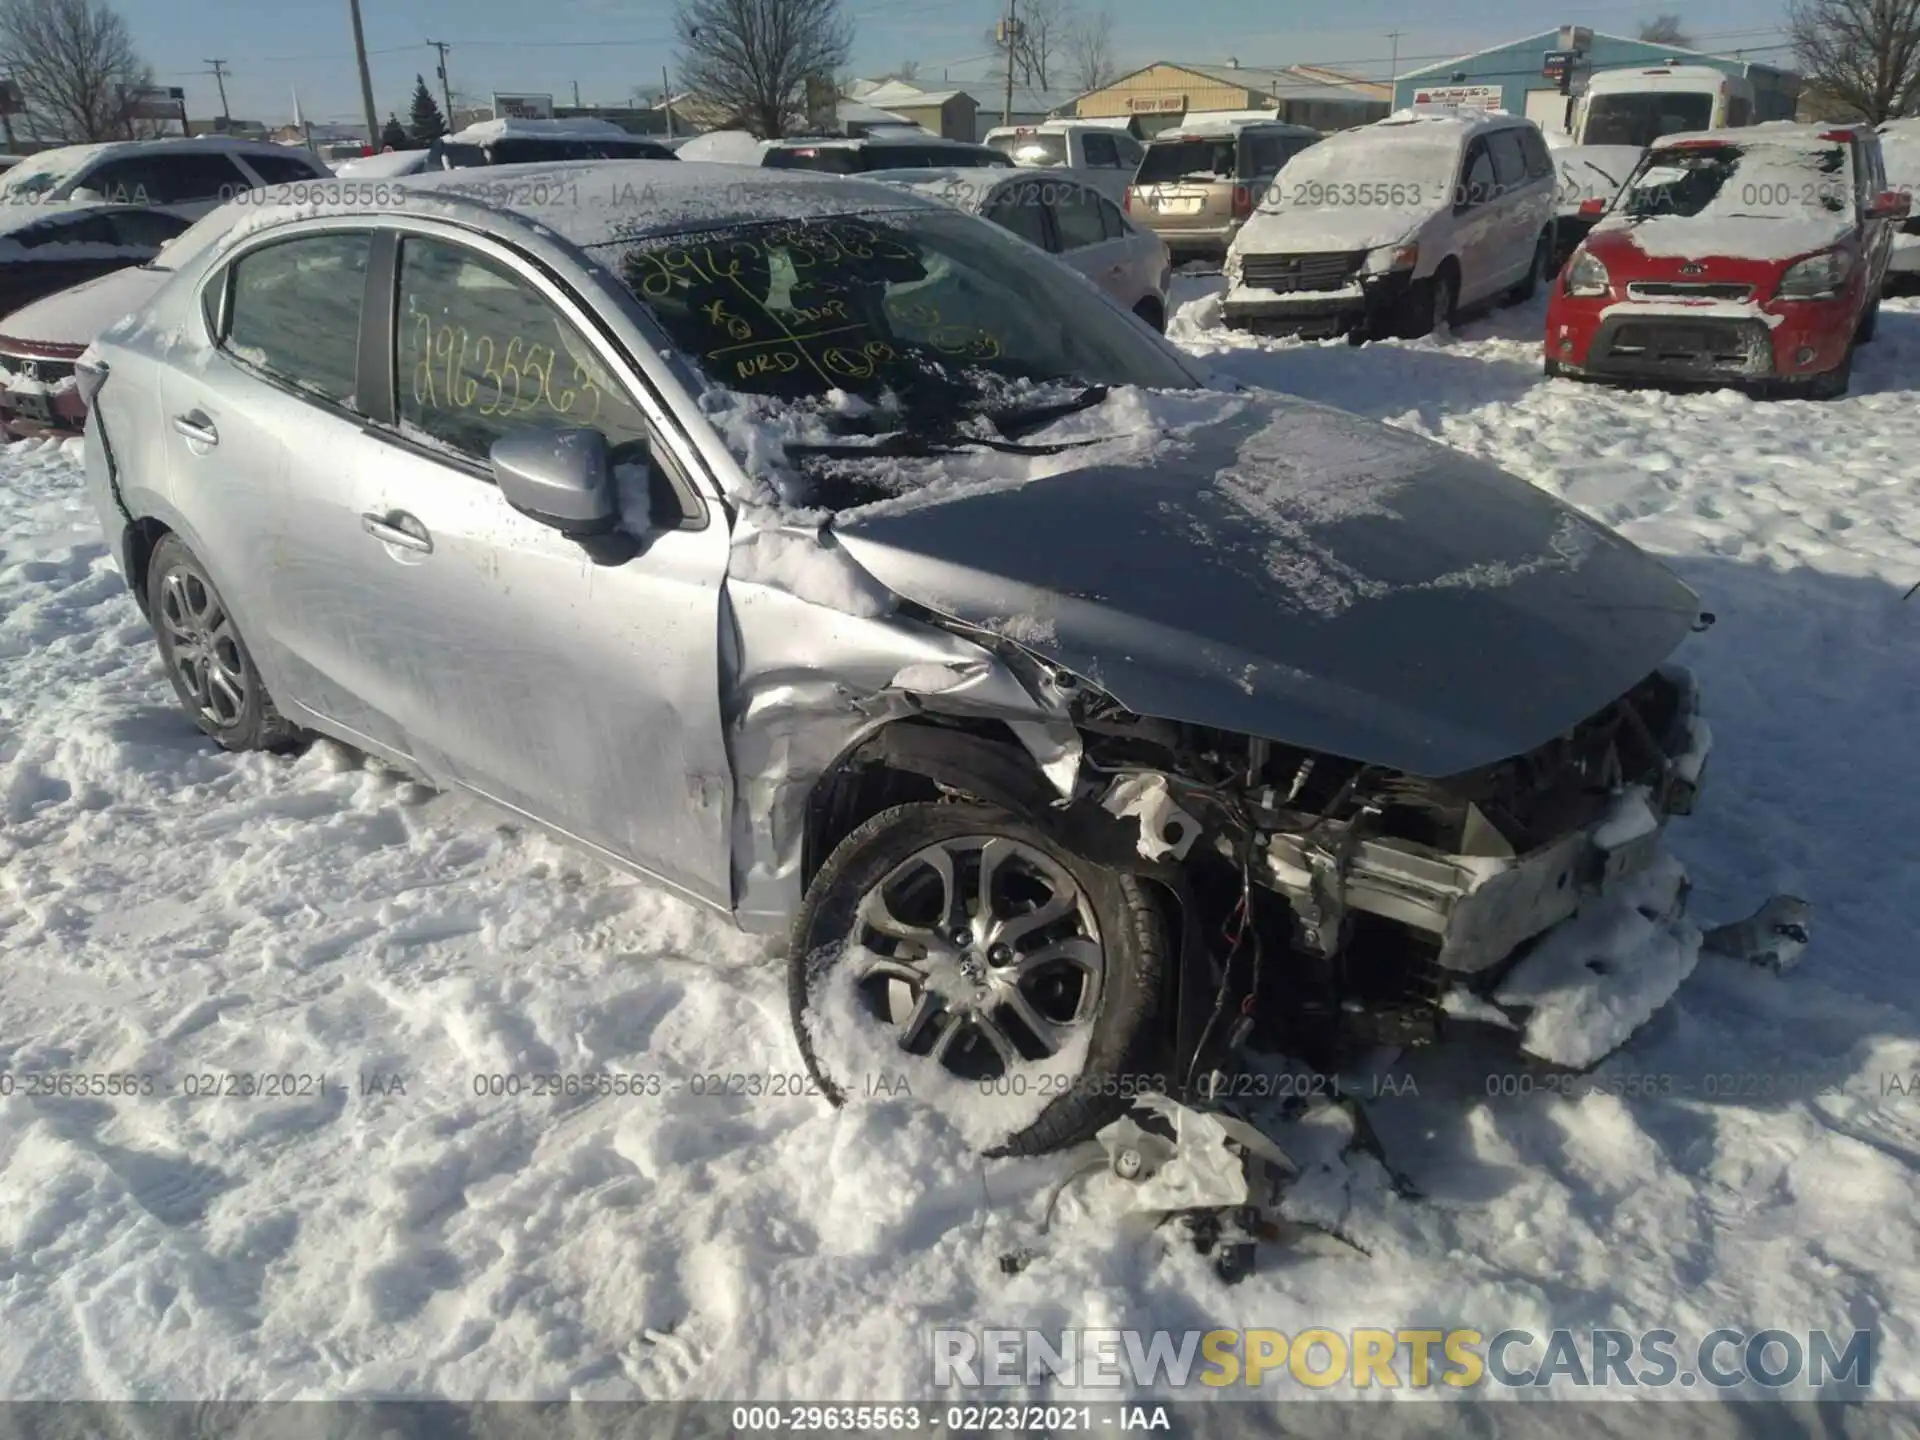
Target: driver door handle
<point x="195" y="426"/>
<point x="397" y="528"/>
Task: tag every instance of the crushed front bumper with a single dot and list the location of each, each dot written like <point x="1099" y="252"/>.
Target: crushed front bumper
<point x="1480" y="908"/>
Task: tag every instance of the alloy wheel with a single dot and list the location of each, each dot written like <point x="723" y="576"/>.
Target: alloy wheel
<point x="982" y="953"/>
<point x="203" y="647"/>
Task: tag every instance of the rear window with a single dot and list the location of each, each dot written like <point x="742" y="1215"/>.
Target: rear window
<point x="522" y="150"/>
<point x="1168" y="160"/>
<point x="1644" y="118"/>
<point x="833" y="159"/>
<point x="1269" y="154"/>
<point x="280" y="169"/>
<point x="1035" y="150"/>
<point x="928" y="157"/>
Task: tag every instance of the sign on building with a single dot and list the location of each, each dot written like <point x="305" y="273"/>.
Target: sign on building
<point x="1156" y="104"/>
<point x="157" y="102"/>
<point x="522" y="107"/>
<point x="1472" y="97"/>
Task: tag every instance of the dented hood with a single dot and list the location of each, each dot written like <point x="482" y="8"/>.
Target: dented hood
<point x="1301" y="574"/>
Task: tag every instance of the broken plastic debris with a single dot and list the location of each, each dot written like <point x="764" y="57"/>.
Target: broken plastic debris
<point x="1212" y="1161"/>
<point x="1165" y="829"/>
<point x="1773" y="937"/>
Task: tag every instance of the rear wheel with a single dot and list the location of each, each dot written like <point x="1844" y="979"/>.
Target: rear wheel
<point x="1010" y="982"/>
<point x="213" y="673"/>
<point x="1539" y="270"/>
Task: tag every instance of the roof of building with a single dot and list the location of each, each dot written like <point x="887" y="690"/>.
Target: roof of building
<point x="1289" y="82"/>
<point x="1549" y="39"/>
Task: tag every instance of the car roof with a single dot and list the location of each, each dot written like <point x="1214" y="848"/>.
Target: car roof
<point x="602" y="202"/>
<point x="970" y="188"/>
<point x="513" y="127"/>
<point x="1772" y="132"/>
<point x="854" y="142"/>
<point x="1204" y="128"/>
<point x="76" y="156"/>
<point x="1463" y="121"/>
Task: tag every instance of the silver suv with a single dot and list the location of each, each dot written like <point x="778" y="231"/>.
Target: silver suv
<point x="857" y="570"/>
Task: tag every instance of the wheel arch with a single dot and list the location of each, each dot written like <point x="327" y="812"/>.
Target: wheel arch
<point x="139" y="540"/>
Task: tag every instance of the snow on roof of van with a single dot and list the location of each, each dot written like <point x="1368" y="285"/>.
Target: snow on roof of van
<point x="1772" y="132"/>
<point x="1227" y="122"/>
<point x="513" y="127"/>
<point x="1433" y="120"/>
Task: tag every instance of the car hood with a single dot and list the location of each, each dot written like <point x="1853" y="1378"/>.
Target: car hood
<point x="77" y="316"/>
<point x="1769" y="242"/>
<point x="1285" y="230"/>
<point x="1301" y="574"/>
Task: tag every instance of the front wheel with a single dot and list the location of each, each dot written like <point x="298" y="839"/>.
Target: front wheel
<point x="960" y="953"/>
<point x="1429" y="305"/>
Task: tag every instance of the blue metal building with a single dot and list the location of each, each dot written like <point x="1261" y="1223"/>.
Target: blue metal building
<point x="1518" y="69"/>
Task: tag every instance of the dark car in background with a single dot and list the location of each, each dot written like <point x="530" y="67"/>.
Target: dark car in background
<point x="47" y="249"/>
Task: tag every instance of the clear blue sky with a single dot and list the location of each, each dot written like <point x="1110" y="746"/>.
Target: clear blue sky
<point x="612" y="47"/>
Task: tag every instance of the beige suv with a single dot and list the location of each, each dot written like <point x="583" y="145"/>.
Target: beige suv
<point x="1199" y="182"/>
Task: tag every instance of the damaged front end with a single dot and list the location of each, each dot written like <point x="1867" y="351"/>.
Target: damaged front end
<point x="1332" y="906"/>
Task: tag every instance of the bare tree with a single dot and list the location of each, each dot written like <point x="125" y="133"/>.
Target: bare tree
<point x="1864" y="55"/>
<point x="75" y="65"/>
<point x="751" y="59"/>
<point x="1042" y="41"/>
<point x="1666" y="30"/>
<point x="906" y="72"/>
<point x="1089" y="51"/>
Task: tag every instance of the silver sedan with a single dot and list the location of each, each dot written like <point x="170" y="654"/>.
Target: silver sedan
<point x="851" y="568"/>
<point x="1065" y="217"/>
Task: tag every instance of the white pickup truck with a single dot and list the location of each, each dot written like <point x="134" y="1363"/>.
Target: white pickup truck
<point x="1103" y="156"/>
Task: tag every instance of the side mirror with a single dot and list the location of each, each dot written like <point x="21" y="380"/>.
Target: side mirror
<point x="1593" y="208"/>
<point x="85" y="193"/>
<point x="1890" y="205"/>
<point x="562" y="478"/>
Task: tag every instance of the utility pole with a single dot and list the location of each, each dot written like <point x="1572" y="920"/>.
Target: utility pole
<point x="446" y="90"/>
<point x="1010" y="37"/>
<point x="666" y="99"/>
<point x="576" y="94"/>
<point x="366" y="76"/>
<point x="220" y="79"/>
<point x="1393" y="65"/>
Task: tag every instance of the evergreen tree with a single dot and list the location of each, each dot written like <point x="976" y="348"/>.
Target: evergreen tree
<point x="428" y="123"/>
<point x="395" y="134"/>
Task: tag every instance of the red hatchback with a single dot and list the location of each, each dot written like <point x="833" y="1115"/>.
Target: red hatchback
<point x="1750" y="256"/>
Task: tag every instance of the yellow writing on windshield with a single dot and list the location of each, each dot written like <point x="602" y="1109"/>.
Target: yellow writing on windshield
<point x="453" y="369"/>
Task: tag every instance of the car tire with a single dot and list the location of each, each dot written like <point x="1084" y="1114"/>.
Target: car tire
<point x="1430" y="304"/>
<point x="1869" y="323"/>
<point x="1835" y="382"/>
<point x="1153" y="314"/>
<point x="207" y="661"/>
<point x="1113" y="920"/>
<point x="1552" y="369"/>
<point x="1539" y="270"/>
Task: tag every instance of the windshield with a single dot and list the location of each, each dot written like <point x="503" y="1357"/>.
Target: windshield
<point x="1394" y="174"/>
<point x="1644" y="118"/>
<point x="1746" y="181"/>
<point x="1034" y="151"/>
<point x="37" y="176"/>
<point x="934" y="308"/>
<point x="1206" y="159"/>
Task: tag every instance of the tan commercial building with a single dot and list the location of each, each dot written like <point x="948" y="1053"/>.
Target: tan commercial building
<point x="1164" y="94"/>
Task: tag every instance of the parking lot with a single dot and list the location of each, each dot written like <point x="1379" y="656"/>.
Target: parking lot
<point x="393" y="1221"/>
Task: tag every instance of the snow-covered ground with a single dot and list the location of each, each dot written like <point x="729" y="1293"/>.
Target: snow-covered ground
<point x="167" y="909"/>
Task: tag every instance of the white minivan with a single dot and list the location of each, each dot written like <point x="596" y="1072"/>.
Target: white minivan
<point x="1394" y="227"/>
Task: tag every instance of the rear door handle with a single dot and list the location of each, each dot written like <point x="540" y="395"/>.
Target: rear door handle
<point x="397" y="528"/>
<point x="195" y="426"/>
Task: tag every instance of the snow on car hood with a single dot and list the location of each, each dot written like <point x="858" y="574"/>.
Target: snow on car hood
<point x="76" y="316"/>
<point x="1301" y="574"/>
<point x="1679" y="237"/>
<point x="1291" y="230"/>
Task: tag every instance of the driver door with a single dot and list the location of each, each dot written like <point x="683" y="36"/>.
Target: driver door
<point x="578" y="687"/>
<point x="1476" y="224"/>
